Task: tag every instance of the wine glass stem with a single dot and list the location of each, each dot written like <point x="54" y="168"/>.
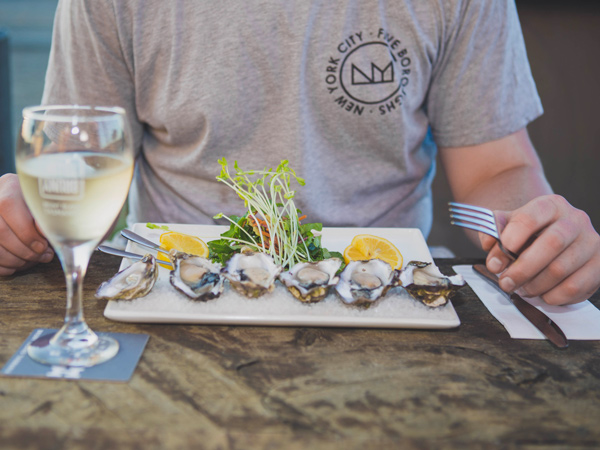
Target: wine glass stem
<point x="75" y="261"/>
<point x="75" y="344"/>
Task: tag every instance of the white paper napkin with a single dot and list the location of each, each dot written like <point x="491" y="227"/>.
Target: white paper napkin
<point x="579" y="322"/>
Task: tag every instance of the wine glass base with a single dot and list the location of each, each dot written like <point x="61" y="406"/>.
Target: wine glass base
<point x="74" y="352"/>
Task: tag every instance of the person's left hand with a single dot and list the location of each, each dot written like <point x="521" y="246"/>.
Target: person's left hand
<point x="561" y="265"/>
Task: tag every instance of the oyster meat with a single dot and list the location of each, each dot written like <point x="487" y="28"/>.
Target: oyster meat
<point x="132" y="282"/>
<point x="310" y="282"/>
<point x="252" y="274"/>
<point x="195" y="276"/>
<point x="425" y="282"/>
<point x="363" y="282"/>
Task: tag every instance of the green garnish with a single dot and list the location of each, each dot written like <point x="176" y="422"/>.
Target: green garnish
<point x="153" y="226"/>
<point x="271" y="223"/>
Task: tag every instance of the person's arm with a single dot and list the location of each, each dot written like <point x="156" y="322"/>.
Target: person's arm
<point x="562" y="265"/>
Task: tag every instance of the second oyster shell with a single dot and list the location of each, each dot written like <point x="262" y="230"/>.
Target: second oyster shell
<point x="195" y="276"/>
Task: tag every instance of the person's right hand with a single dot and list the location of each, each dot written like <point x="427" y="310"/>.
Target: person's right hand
<point x="21" y="243"/>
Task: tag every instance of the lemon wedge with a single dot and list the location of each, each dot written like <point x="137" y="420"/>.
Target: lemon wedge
<point x="183" y="243"/>
<point x="366" y="246"/>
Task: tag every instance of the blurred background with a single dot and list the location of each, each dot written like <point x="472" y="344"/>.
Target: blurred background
<point x="24" y="50"/>
<point x="562" y="43"/>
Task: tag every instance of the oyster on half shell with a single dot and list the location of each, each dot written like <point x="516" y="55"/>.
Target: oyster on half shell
<point x="252" y="274"/>
<point x="425" y="282"/>
<point x="132" y="282"/>
<point x="195" y="276"/>
<point x="363" y="282"/>
<point x="310" y="282"/>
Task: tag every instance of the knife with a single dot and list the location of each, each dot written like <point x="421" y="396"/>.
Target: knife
<point x="540" y="320"/>
<point x="134" y="237"/>
<point x="125" y="254"/>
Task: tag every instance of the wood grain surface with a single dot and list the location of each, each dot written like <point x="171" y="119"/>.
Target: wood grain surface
<point x="232" y="387"/>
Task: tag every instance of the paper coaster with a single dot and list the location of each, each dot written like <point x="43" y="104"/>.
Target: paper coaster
<point x="120" y="368"/>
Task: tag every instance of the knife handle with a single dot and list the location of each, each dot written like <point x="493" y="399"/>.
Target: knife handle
<point x="130" y="235"/>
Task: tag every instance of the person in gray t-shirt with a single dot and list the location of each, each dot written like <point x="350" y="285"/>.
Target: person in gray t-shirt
<point x="359" y="97"/>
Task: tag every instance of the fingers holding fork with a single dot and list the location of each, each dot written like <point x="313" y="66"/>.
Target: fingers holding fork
<point x="560" y="260"/>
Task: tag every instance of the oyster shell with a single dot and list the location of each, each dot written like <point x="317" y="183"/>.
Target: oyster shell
<point x="195" y="276"/>
<point x="425" y="282"/>
<point x="310" y="282"/>
<point x="132" y="282"/>
<point x="363" y="282"/>
<point x="252" y="274"/>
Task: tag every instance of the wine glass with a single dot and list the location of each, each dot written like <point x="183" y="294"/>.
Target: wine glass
<point x="75" y="165"/>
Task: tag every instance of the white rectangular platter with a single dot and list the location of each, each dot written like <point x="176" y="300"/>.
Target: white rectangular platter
<point x="279" y="308"/>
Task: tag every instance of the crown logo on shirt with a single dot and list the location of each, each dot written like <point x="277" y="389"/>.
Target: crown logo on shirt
<point x="369" y="75"/>
<point x="378" y="75"/>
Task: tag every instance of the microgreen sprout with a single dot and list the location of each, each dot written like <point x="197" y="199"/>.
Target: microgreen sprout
<point x="269" y="200"/>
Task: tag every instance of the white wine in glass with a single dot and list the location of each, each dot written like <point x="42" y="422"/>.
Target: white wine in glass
<point x="75" y="165"/>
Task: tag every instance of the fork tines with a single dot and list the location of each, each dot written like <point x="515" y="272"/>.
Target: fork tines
<point x="473" y="217"/>
<point x="478" y="219"/>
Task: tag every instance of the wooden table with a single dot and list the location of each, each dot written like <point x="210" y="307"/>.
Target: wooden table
<point x="268" y="387"/>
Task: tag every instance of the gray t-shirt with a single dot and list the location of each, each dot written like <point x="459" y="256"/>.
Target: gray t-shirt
<point x="355" y="94"/>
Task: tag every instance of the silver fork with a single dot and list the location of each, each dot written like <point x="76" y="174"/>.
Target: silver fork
<point x="478" y="219"/>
